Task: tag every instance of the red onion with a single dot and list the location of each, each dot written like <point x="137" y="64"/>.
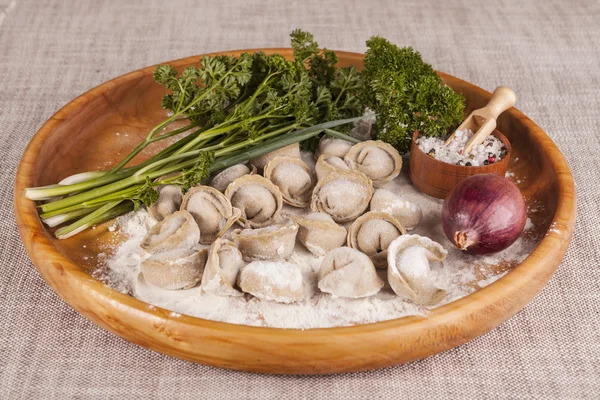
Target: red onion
<point x="484" y="214"/>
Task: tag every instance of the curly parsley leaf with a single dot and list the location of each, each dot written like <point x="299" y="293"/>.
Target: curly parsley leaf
<point x="200" y="171"/>
<point x="407" y="95"/>
<point x="146" y="195"/>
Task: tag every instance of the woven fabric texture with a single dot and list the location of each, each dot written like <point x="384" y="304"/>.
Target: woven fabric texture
<point x="52" y="50"/>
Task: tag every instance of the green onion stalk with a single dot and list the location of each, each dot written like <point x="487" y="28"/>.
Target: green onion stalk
<point x="237" y="108"/>
<point x="108" y="194"/>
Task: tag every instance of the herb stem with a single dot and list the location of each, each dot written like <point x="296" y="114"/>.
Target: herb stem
<point x="61" y="218"/>
<point x="90" y="220"/>
<point x="340" y="135"/>
<point x="111" y="213"/>
<point x="103" y="177"/>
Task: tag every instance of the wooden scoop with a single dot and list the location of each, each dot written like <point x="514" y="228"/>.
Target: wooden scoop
<point x="483" y="121"/>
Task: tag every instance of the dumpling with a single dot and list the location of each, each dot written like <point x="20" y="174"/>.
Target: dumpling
<point x="179" y="273"/>
<point x="169" y="200"/>
<point x="272" y="280"/>
<point x="228" y="175"/>
<point x="269" y="243"/>
<point x="342" y="194"/>
<point x="293" y="150"/>
<point x="325" y="165"/>
<point x="372" y="233"/>
<point x="332" y="147"/>
<point x="173" y="237"/>
<point x="222" y="268"/>
<point x="380" y="161"/>
<point x="293" y="178"/>
<point x="319" y="233"/>
<point x="408" y="269"/>
<point x="408" y="213"/>
<point x="211" y="210"/>
<point x="347" y="272"/>
<point x="258" y="199"/>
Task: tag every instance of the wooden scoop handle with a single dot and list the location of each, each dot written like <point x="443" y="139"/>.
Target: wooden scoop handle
<point x="502" y="99"/>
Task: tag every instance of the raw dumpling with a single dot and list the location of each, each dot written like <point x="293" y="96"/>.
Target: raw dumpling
<point x="180" y="273"/>
<point x="169" y="200"/>
<point x="222" y="268"/>
<point x="325" y="165"/>
<point x="293" y="150"/>
<point x="372" y="233"/>
<point x="272" y="280"/>
<point x="319" y="233"/>
<point x="378" y="160"/>
<point x="342" y="194"/>
<point x="332" y="147"/>
<point x="173" y="237"/>
<point x="293" y="178"/>
<point x="347" y="272"/>
<point x="272" y="242"/>
<point x="211" y="210"/>
<point x="258" y="199"/>
<point x="409" y="214"/>
<point x="408" y="268"/>
<point x="228" y="175"/>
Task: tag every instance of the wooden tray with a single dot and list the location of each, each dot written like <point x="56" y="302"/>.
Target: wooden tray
<point x="101" y="126"/>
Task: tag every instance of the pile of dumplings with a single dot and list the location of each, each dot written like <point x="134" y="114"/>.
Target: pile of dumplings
<point x="355" y="226"/>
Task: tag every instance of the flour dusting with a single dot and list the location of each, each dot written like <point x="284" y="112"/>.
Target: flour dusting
<point x="460" y="274"/>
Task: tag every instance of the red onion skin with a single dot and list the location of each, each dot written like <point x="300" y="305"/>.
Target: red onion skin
<point x="484" y="214"/>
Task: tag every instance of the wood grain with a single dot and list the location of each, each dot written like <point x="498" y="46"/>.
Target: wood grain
<point x="82" y="136"/>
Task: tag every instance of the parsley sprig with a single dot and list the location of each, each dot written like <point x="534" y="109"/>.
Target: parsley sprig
<point x="407" y="95"/>
<point x="242" y="107"/>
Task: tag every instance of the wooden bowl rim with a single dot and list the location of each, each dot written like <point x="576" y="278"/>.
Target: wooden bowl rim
<point x="49" y="261"/>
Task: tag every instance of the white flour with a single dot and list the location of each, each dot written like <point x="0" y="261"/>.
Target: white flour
<point x="460" y="274"/>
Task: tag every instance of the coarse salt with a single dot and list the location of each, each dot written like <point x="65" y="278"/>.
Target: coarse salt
<point x="490" y="151"/>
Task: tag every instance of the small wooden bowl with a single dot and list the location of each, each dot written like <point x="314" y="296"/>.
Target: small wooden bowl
<point x="105" y="123"/>
<point x="437" y="178"/>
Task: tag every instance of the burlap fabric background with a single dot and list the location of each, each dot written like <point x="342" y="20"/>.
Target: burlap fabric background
<point x="52" y="51"/>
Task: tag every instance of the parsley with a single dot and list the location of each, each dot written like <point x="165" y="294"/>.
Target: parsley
<point x="243" y="107"/>
<point x="406" y="94"/>
<point x="146" y="195"/>
<point x="335" y="91"/>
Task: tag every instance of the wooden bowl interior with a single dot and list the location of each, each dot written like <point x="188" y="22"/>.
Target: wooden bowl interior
<point x="99" y="128"/>
<point x="116" y="122"/>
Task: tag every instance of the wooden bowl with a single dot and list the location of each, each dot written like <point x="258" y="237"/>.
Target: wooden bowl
<point x="437" y="178"/>
<point x="99" y="127"/>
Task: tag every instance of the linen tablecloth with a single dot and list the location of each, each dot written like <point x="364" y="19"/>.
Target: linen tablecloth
<point x="547" y="51"/>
